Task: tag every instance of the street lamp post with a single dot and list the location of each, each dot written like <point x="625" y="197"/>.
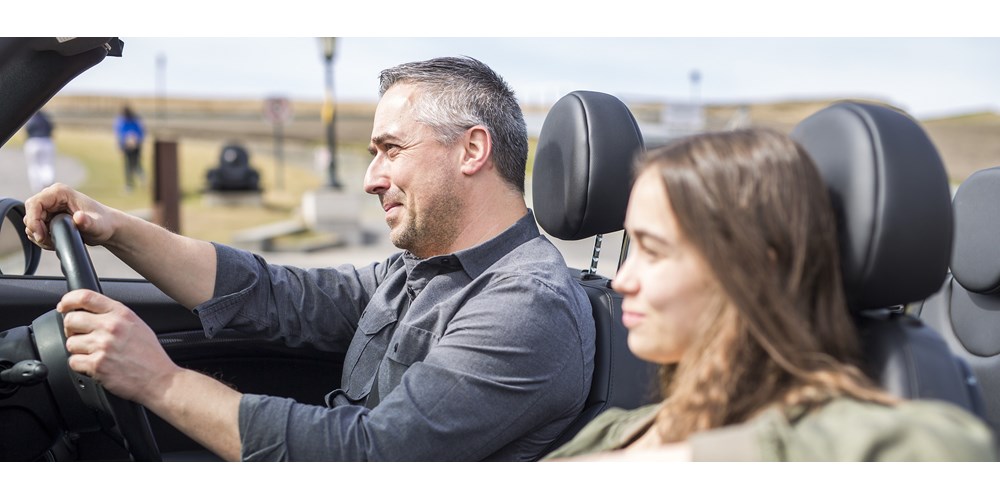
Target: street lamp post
<point x="161" y="87"/>
<point x="328" y="46"/>
<point x="695" y="78"/>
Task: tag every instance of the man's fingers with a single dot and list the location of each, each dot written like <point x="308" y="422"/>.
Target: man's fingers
<point x="39" y="210"/>
<point x="87" y="300"/>
<point x="80" y="321"/>
<point x="81" y="342"/>
<point x="83" y="364"/>
<point x="84" y="222"/>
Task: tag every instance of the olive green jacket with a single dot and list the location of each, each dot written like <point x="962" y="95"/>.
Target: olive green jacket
<point x="843" y="430"/>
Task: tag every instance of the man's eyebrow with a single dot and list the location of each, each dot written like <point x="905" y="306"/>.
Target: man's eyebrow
<point x="381" y="139"/>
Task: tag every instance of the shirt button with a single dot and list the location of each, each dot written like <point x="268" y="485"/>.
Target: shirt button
<point x="395" y="347"/>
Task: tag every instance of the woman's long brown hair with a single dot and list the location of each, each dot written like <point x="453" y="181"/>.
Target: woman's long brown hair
<point x="753" y="204"/>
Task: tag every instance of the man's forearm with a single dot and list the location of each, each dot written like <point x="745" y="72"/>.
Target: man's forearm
<point x="202" y="408"/>
<point x="183" y="268"/>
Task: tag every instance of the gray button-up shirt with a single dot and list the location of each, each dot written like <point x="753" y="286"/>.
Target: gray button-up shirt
<point x="486" y="353"/>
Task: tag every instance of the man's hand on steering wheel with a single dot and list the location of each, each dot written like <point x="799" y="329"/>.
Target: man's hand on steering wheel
<point x="108" y="342"/>
<point x="92" y="219"/>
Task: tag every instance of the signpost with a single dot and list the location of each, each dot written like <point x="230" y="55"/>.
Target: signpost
<point x="278" y="111"/>
<point x="328" y="46"/>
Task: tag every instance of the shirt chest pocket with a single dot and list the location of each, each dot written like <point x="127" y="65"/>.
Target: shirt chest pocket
<point x="366" y="353"/>
<point x="409" y="345"/>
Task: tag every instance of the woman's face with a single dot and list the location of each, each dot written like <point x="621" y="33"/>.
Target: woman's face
<point x="666" y="284"/>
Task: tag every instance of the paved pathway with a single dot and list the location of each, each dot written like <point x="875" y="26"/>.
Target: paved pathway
<point x="14" y="184"/>
<point x="14" y="173"/>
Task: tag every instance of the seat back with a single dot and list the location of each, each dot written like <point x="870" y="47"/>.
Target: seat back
<point x="967" y="308"/>
<point x="890" y="191"/>
<point x="580" y="186"/>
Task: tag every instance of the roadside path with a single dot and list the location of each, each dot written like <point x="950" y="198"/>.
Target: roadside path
<point x="14" y="173"/>
<point x="14" y="184"/>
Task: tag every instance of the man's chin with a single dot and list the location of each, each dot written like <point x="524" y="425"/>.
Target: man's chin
<point x="399" y="238"/>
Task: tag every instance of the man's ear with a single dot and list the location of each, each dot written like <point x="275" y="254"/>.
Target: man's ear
<point x="478" y="146"/>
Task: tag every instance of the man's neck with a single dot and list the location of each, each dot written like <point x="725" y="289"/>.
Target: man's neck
<point x="487" y="223"/>
<point x="482" y="220"/>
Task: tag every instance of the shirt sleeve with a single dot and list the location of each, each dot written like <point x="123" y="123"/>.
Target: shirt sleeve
<point x="315" y="307"/>
<point x="514" y="359"/>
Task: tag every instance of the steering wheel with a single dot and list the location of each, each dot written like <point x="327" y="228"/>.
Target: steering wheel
<point x="83" y="403"/>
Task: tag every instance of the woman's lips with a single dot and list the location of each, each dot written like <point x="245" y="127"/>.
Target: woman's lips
<point x="632" y="319"/>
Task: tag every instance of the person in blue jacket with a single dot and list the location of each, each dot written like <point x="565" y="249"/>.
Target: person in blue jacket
<point x="129" y="132"/>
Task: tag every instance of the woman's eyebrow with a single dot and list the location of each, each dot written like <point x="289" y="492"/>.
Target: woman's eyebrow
<point x="645" y="238"/>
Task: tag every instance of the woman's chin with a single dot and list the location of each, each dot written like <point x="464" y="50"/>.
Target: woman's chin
<point x="653" y="353"/>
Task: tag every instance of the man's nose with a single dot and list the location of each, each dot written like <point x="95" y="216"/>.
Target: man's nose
<point x="376" y="177"/>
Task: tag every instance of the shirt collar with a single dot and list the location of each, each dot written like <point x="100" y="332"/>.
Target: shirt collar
<point x="478" y="259"/>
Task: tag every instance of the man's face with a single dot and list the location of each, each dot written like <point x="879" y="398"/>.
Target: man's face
<point x="415" y="176"/>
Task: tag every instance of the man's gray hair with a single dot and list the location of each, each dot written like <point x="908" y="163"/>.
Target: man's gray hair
<point x="461" y="92"/>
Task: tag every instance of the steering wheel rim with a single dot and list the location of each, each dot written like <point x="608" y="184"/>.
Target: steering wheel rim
<point x="127" y="418"/>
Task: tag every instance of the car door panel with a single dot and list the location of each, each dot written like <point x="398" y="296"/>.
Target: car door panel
<point x="248" y="365"/>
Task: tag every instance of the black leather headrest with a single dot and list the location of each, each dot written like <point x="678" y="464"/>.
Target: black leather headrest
<point x="583" y="166"/>
<point x="890" y="191"/>
<point x="976" y="261"/>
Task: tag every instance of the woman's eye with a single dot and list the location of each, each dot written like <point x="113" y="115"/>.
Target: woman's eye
<point x="657" y="252"/>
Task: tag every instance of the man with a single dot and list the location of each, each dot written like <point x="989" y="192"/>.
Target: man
<point x="40" y="151"/>
<point x="474" y="343"/>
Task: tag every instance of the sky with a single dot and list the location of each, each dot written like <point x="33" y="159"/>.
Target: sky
<point x="927" y="76"/>
<point x="900" y="51"/>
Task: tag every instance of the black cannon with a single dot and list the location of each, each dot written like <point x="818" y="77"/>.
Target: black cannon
<point x="234" y="172"/>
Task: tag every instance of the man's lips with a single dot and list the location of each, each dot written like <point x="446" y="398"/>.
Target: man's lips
<point x="389" y="204"/>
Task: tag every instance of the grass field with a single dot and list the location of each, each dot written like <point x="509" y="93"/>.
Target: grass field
<point x="105" y="182"/>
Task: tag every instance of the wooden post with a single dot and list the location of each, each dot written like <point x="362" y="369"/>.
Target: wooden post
<point x="166" y="186"/>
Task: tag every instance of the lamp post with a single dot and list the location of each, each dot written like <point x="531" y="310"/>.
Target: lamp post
<point x="695" y="78"/>
<point x="161" y="87"/>
<point x="328" y="46"/>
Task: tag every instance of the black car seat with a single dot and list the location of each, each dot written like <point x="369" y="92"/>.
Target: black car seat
<point x="581" y="179"/>
<point x="967" y="308"/>
<point x="893" y="203"/>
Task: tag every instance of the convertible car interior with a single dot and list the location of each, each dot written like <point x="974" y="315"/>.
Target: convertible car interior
<point x="886" y="178"/>
<point x="967" y="308"/>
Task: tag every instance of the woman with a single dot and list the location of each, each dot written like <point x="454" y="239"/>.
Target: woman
<point x="734" y="286"/>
